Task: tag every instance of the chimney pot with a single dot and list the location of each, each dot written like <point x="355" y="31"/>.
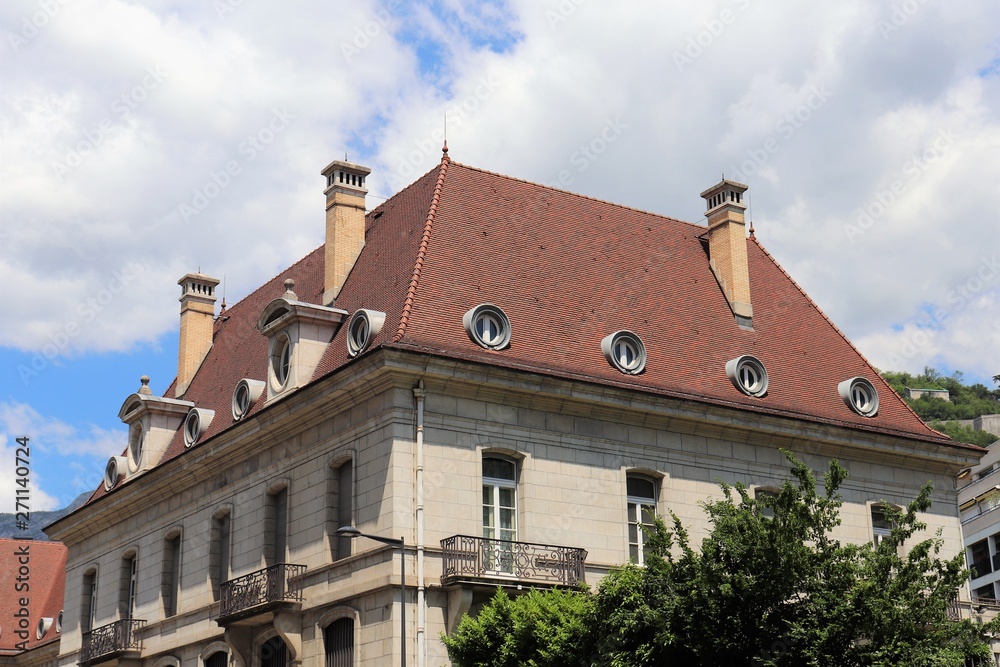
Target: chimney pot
<point x="727" y="246"/>
<point x="345" y="223"/>
<point x="197" y="325"/>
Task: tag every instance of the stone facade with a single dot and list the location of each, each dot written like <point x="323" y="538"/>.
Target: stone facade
<point x="573" y="445"/>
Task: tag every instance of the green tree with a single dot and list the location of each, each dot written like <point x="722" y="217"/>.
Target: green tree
<point x="769" y="586"/>
<point x="537" y="629"/>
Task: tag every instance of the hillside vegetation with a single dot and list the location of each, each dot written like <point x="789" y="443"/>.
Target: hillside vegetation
<point x="967" y="402"/>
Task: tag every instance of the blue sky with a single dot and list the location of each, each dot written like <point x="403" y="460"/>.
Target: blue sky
<point x="867" y="130"/>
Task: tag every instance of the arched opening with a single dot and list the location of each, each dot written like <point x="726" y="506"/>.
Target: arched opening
<point x="339" y="640"/>
<point x="274" y="653"/>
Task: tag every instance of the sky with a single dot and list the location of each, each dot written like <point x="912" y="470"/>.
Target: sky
<point x="143" y="141"/>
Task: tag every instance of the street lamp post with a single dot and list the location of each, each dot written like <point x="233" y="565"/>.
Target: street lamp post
<point x="352" y="532"/>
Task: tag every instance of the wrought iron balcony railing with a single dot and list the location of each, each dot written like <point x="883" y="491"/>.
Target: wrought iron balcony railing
<point x="259" y="591"/>
<point x="479" y="558"/>
<point x="111" y="640"/>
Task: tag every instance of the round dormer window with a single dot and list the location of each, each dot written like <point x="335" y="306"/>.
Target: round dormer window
<point x="112" y="471"/>
<point x="488" y="326"/>
<point x="748" y="375"/>
<point x="859" y="394"/>
<point x="197" y="422"/>
<point x="281" y="358"/>
<point x="244" y="396"/>
<point x="362" y="329"/>
<point x="135" y="440"/>
<point x="624" y="350"/>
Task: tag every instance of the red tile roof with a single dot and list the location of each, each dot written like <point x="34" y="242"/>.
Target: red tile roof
<point x="45" y="571"/>
<point x="568" y="270"/>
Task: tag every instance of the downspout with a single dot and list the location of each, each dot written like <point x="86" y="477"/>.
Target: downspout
<point x="419" y="394"/>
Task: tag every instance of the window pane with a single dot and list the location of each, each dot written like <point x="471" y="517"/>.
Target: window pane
<point x="641" y="487"/>
<point x="879" y="520"/>
<point x="506" y="519"/>
<point x="506" y="497"/>
<point x="648" y="515"/>
<point x="498" y="469"/>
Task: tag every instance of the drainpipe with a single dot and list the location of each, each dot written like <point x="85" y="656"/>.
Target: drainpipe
<point x="419" y="394"/>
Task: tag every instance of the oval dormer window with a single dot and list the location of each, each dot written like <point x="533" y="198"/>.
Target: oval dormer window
<point x="281" y="358"/>
<point x="197" y="422"/>
<point x="859" y="394"/>
<point x="748" y="375"/>
<point x="244" y="396"/>
<point x="624" y="350"/>
<point x="42" y="628"/>
<point x="488" y="326"/>
<point x="362" y="329"/>
<point x="135" y="440"/>
<point x="114" y="470"/>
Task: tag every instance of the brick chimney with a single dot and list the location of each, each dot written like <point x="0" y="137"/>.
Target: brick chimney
<point x="345" y="223"/>
<point x="197" y="319"/>
<point x="727" y="246"/>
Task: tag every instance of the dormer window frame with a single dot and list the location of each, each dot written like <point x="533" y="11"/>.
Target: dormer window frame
<point x="152" y="422"/>
<point x="298" y="334"/>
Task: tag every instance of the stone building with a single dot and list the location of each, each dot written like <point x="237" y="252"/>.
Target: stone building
<point x="978" y="498"/>
<point x="506" y="378"/>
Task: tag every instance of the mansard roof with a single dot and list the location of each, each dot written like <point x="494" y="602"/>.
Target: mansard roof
<point x="567" y="270"/>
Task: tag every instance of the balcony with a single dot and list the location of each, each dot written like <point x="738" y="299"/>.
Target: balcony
<point x="112" y="641"/>
<point x="482" y="560"/>
<point x="274" y="588"/>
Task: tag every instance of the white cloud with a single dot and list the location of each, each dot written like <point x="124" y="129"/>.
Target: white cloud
<point x="53" y="444"/>
<point x="829" y="105"/>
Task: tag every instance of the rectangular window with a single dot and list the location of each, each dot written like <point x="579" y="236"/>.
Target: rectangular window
<point x="170" y="583"/>
<point x="342" y="508"/>
<point x="881" y="526"/>
<point x="129" y="580"/>
<point x="219" y="555"/>
<point x="275" y="527"/>
<point x="499" y="514"/>
<point x="641" y="514"/>
<point x="768" y="496"/>
<point x="979" y="558"/>
<point x="88" y="610"/>
<point x="339" y="640"/>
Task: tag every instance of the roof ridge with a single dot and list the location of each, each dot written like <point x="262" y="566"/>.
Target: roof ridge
<point x="841" y="334"/>
<point x="581" y="196"/>
<point x="411" y="291"/>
